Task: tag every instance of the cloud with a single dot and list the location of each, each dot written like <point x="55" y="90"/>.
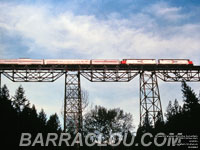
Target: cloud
<point x="87" y="36"/>
<point x="164" y="11"/>
<point x="156" y="31"/>
<point x="2" y="49"/>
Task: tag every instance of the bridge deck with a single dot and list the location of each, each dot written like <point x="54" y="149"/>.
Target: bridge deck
<point x="99" y="67"/>
<point x="100" y="73"/>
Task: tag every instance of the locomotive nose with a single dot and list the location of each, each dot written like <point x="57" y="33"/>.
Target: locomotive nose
<point x="190" y="62"/>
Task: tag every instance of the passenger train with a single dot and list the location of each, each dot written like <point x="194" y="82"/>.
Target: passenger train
<point x="96" y="62"/>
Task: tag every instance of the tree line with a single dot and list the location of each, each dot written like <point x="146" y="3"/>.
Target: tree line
<point x="19" y="116"/>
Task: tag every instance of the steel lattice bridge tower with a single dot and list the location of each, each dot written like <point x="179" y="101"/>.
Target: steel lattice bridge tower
<point x="150" y="101"/>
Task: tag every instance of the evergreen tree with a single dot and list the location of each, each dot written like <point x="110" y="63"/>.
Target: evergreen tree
<point x="34" y="121"/>
<point x="169" y="113"/>
<point x="176" y="108"/>
<point x="146" y="126"/>
<point x="42" y="117"/>
<point x="5" y="101"/>
<point x="159" y="124"/>
<point x="184" y="119"/>
<point x="19" y="100"/>
<point x="189" y="97"/>
<point x="18" y="117"/>
<point x="173" y="110"/>
<point x="4" y="93"/>
<point x="8" y="127"/>
<point x="25" y="120"/>
<point x="53" y="124"/>
<point x="147" y="123"/>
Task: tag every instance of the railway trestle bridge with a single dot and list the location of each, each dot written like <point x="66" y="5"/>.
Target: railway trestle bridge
<point x="150" y="101"/>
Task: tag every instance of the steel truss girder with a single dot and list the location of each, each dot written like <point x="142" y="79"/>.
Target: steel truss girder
<point x="33" y="75"/>
<point x="150" y="103"/>
<point x="72" y="102"/>
<point x="109" y="75"/>
<point x="179" y="75"/>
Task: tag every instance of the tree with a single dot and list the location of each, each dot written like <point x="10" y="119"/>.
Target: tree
<point x="53" y="124"/>
<point x="177" y="108"/>
<point x="18" y="117"/>
<point x="147" y="123"/>
<point x="5" y="101"/>
<point x="169" y="113"/>
<point x="42" y="118"/>
<point x="146" y="126"/>
<point x="184" y="119"/>
<point x="8" y="127"/>
<point x="33" y="120"/>
<point x="27" y="119"/>
<point x="189" y="97"/>
<point x="19" y="100"/>
<point x="105" y="122"/>
<point x="173" y="110"/>
<point x="159" y="124"/>
<point x="33" y="113"/>
<point x="4" y="93"/>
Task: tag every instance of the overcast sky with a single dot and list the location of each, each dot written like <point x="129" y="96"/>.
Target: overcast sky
<point x="89" y="29"/>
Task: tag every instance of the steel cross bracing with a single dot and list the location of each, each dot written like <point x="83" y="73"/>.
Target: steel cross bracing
<point x="179" y="75"/>
<point x="32" y="75"/>
<point x="109" y="75"/>
<point x="72" y="102"/>
<point x="150" y="103"/>
<point x="149" y="92"/>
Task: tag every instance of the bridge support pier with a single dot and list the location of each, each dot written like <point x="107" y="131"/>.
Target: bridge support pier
<point x="150" y="103"/>
<point x="72" y="103"/>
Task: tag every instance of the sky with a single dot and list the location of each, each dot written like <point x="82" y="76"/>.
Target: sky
<point x="115" y="29"/>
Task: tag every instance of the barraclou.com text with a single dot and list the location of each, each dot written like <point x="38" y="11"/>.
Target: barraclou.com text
<point x="64" y="138"/>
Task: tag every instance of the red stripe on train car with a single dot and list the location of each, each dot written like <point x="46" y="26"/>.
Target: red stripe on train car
<point x="190" y="62"/>
<point x="123" y="62"/>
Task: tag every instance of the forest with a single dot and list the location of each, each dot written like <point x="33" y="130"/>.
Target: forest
<point x="19" y="116"/>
